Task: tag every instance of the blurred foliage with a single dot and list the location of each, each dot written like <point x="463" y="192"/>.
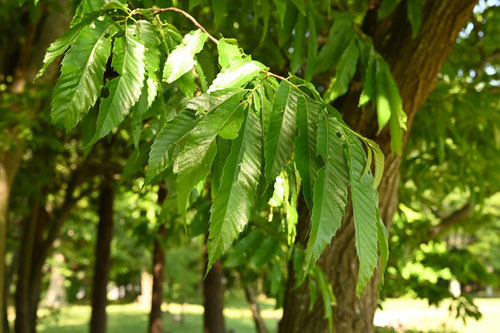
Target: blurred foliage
<point x="451" y="160"/>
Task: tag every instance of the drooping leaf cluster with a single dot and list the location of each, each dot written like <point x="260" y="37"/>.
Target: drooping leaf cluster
<point x="244" y="130"/>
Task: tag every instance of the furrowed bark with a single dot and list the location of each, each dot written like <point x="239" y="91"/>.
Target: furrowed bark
<point x="415" y="64"/>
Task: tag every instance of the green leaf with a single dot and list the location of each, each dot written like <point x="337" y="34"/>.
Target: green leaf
<point x="301" y="6"/>
<point x="209" y="102"/>
<point x="280" y="136"/>
<point x="281" y="9"/>
<point x="326" y="293"/>
<point x="265" y="252"/>
<point x="382" y="96"/>
<point x="82" y="74"/>
<point x="137" y="115"/>
<point x="339" y="37"/>
<point x="194" y="4"/>
<point x="125" y="90"/>
<point x="187" y="84"/>
<point x="240" y="253"/>
<point x="188" y="178"/>
<point x="312" y="48"/>
<point x="90" y="6"/>
<point x="414" y="8"/>
<point x="229" y="52"/>
<point x="370" y="84"/>
<point x="198" y="141"/>
<point x="232" y="204"/>
<point x="390" y="105"/>
<point x="345" y="72"/>
<point x="299" y="44"/>
<point x="223" y="151"/>
<point x="136" y="161"/>
<point x="306" y="158"/>
<point x="364" y="203"/>
<point x="160" y="156"/>
<point x="383" y="245"/>
<point x="330" y="190"/>
<point x="387" y="7"/>
<point x="236" y="75"/>
<point x="151" y="57"/>
<point x="219" y="8"/>
<point x="181" y="60"/>
<point x="201" y="77"/>
<point x="379" y="162"/>
<point x="64" y="42"/>
<point x="292" y="216"/>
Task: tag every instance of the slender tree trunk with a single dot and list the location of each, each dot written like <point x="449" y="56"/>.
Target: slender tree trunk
<point x="213" y="298"/>
<point x="155" y="316"/>
<point x="29" y="62"/>
<point x="56" y="294"/>
<point x="415" y="64"/>
<point x="23" y="322"/>
<point x="102" y="259"/>
<point x="9" y="164"/>
<point x="260" y="325"/>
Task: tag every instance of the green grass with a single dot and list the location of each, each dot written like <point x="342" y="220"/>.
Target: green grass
<point x="415" y="315"/>
<point x="407" y="315"/>
<point x="128" y="318"/>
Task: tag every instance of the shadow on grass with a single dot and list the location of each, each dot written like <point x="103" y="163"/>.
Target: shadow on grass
<point x="133" y="318"/>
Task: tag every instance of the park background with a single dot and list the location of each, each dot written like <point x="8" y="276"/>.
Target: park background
<point x="80" y="222"/>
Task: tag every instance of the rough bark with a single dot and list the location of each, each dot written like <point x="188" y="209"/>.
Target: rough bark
<point x="155" y="316"/>
<point x="213" y="298"/>
<point x="260" y="325"/>
<point x="415" y="64"/>
<point x="102" y="259"/>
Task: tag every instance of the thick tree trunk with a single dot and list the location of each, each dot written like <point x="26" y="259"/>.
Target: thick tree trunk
<point x="213" y="298"/>
<point x="155" y="316"/>
<point x="102" y="260"/>
<point x="260" y="325"/>
<point x="415" y="64"/>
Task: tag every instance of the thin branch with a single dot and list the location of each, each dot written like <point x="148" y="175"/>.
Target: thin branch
<point x="158" y="11"/>
<point x="186" y="14"/>
<point x="449" y="221"/>
<point x="487" y="60"/>
<point x="276" y="76"/>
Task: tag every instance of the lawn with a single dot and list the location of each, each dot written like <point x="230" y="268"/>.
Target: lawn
<point x="415" y="314"/>
<point x="187" y="318"/>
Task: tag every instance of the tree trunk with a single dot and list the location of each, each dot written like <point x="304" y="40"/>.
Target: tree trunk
<point x="102" y="260"/>
<point x="260" y="325"/>
<point x="56" y="294"/>
<point x="155" y="316"/>
<point x="27" y="65"/>
<point x="23" y="322"/>
<point x="213" y="298"/>
<point x="415" y="64"/>
<point x="9" y="164"/>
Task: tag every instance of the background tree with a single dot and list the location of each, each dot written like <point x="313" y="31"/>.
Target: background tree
<point x="366" y="53"/>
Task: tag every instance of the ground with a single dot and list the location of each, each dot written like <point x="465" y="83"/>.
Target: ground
<point x="407" y="313"/>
